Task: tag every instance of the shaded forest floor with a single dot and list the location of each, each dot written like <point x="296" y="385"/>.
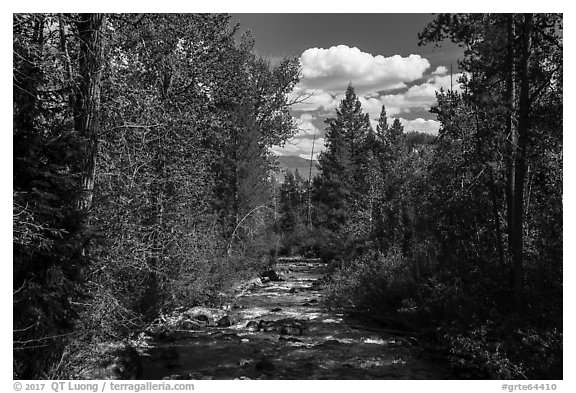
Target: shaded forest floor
<point x="280" y="330"/>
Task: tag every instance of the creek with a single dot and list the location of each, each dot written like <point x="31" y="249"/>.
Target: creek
<point x="279" y="330"/>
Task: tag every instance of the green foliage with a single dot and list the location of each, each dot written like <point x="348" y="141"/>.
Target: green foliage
<point x="372" y="282"/>
<point x="437" y="224"/>
<point x="481" y="357"/>
<point x="341" y="180"/>
<point x="47" y="239"/>
<point x="293" y="225"/>
<point x="417" y="140"/>
<point x="182" y="205"/>
<point x="506" y="350"/>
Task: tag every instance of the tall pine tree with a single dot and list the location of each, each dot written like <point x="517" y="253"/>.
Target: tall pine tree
<point x="342" y="181"/>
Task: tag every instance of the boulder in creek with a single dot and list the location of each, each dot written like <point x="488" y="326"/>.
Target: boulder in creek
<point x="267" y="326"/>
<point x="201" y="318"/>
<point x="204" y="314"/>
<point x="271" y="275"/>
<point x="289" y="327"/>
<point x="291" y="330"/>
<point x="252" y="326"/>
<point x="225" y="321"/>
<point x="289" y="339"/>
<point x="190" y="324"/>
<point x="303" y="323"/>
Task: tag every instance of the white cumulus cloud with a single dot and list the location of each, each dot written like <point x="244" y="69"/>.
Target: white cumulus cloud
<point x="302" y="143"/>
<point x="327" y="73"/>
<point x="417" y="97"/>
<point x="421" y="125"/>
<point x="301" y="147"/>
<point x="373" y="106"/>
<point x="440" y="70"/>
<point x="313" y="99"/>
<point x="332" y="69"/>
<point x="306" y="129"/>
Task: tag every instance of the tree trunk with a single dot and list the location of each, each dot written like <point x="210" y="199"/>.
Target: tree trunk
<point x="496" y="219"/>
<point x="511" y="134"/>
<point x="309" y="193"/>
<point x="69" y="82"/>
<point x="520" y="164"/>
<point x="38" y="35"/>
<point x="87" y="107"/>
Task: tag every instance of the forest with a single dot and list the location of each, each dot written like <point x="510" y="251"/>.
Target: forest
<point x="143" y="182"/>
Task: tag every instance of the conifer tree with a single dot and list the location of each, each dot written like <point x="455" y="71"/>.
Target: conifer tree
<point x="342" y="165"/>
<point x="382" y="126"/>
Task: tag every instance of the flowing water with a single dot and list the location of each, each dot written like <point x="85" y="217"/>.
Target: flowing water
<point x="297" y="339"/>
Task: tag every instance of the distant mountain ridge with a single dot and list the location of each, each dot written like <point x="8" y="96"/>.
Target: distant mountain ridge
<point x="293" y="163"/>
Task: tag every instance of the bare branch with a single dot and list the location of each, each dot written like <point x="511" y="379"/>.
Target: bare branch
<point x="301" y="98"/>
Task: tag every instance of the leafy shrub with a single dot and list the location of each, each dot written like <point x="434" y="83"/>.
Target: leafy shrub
<point x="372" y="282"/>
<point x="325" y="244"/>
<point x="478" y="356"/>
<point x="503" y="350"/>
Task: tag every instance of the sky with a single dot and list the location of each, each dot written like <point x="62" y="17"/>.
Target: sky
<point x="378" y="53"/>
